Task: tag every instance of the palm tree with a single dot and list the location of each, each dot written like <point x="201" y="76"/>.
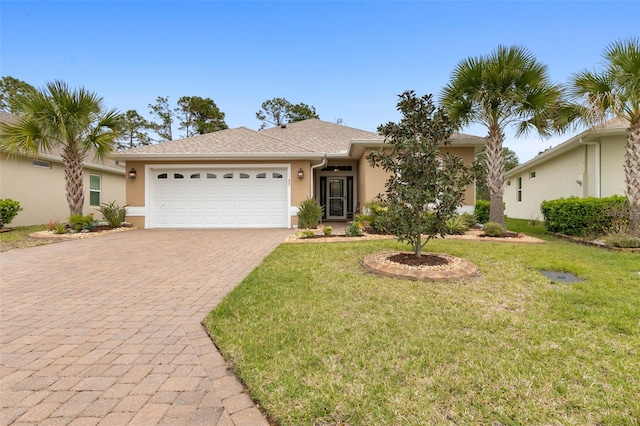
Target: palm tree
<point x="507" y="87"/>
<point x="615" y="92"/>
<point x="73" y="121"/>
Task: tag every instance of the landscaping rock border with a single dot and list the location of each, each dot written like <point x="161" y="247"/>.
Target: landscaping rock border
<point x="456" y="268"/>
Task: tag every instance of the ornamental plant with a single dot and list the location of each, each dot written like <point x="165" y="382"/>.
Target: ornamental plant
<point x="8" y="210"/>
<point x="425" y="187"/>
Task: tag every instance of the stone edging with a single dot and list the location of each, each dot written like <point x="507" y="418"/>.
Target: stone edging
<point x="372" y="264"/>
<point x="47" y="235"/>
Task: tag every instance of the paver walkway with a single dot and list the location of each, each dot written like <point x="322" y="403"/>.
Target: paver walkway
<point x="107" y="330"/>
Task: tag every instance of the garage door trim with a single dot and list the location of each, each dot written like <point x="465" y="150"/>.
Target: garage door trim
<point x="150" y="182"/>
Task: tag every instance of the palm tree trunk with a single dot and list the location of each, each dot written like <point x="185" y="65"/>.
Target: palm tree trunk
<point x="74" y="176"/>
<point x="632" y="175"/>
<point x="495" y="177"/>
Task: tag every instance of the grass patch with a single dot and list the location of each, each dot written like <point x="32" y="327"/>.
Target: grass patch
<point x="18" y="237"/>
<point x="320" y="341"/>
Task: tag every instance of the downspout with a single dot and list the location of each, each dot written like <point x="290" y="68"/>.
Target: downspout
<point x="597" y="165"/>
<point x="324" y="163"/>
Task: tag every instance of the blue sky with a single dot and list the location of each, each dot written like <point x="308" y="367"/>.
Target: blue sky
<point x="348" y="59"/>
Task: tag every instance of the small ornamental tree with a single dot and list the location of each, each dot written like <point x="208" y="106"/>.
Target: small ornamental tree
<point x="424" y="188"/>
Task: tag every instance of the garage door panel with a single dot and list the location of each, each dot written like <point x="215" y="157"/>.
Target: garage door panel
<point x="199" y="199"/>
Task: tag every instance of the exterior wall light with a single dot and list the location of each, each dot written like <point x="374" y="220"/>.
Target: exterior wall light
<point x="132" y="173"/>
<point x="300" y="173"/>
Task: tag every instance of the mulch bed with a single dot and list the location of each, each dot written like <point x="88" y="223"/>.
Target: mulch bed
<point x="410" y="259"/>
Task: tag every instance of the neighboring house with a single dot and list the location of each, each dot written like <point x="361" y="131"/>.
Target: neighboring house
<point x="256" y="179"/>
<point x="587" y="165"/>
<point x="39" y="185"/>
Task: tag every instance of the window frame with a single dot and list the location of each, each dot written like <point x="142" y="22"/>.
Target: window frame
<point x="97" y="191"/>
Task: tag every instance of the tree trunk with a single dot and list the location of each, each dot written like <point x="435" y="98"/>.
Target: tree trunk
<point x="632" y="175"/>
<point x="495" y="175"/>
<point x="418" y="247"/>
<point x="74" y="176"/>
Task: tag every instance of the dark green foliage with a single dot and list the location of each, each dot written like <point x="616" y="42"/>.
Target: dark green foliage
<point x="424" y="188"/>
<point x="162" y="111"/>
<point x="113" y="214"/>
<point x="133" y="132"/>
<point x="279" y="111"/>
<point x="622" y="240"/>
<point x="469" y="219"/>
<point x="8" y="210"/>
<point x="80" y="222"/>
<point x="200" y="116"/>
<point x="582" y="216"/>
<point x="10" y="88"/>
<point x="493" y="229"/>
<point x="482" y="211"/>
<point x="309" y="214"/>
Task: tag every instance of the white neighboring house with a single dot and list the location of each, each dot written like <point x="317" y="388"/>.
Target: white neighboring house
<point x="39" y="185"/>
<point x="587" y="165"/>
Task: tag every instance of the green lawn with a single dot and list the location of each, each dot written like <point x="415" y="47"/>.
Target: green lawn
<point x="18" y="237"/>
<point x="320" y="341"/>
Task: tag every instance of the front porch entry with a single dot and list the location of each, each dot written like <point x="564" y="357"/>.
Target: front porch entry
<point x="336" y="192"/>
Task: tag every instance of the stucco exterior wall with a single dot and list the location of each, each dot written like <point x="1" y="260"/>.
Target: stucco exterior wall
<point x="612" y="151"/>
<point x="371" y="180"/>
<point x="553" y="179"/>
<point x="41" y="191"/>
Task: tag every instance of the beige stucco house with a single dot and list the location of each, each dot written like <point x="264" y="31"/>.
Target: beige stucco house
<point x="39" y="185"/>
<point x="587" y="165"/>
<point x="244" y="178"/>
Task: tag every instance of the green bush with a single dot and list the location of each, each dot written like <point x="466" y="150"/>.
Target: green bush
<point x="80" y="222"/>
<point x="8" y="210"/>
<point x="377" y="216"/>
<point x="623" y="240"/>
<point x="469" y="219"/>
<point x="354" y="229"/>
<point x="456" y="225"/>
<point x="113" y="214"/>
<point x="309" y="213"/>
<point x="481" y="211"/>
<point x="492" y="229"/>
<point x="327" y="230"/>
<point x="60" y="228"/>
<point x="583" y="216"/>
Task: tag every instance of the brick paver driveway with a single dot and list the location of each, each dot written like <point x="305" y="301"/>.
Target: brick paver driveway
<point x="107" y="330"/>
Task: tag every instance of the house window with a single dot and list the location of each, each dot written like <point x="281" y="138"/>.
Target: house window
<point x="277" y="175"/>
<point x="211" y="176"/>
<point x="162" y="176"/>
<point x="178" y="176"/>
<point x="41" y="163"/>
<point x="94" y="189"/>
<point x="519" y="189"/>
<point x="532" y="175"/>
<point x="195" y="176"/>
<point x="244" y="176"/>
<point x="228" y="176"/>
<point x="261" y="175"/>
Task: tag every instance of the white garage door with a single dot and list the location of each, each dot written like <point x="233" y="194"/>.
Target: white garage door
<point x="220" y="198"/>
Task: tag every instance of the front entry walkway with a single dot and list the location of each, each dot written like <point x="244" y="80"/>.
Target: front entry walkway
<point x="106" y="331"/>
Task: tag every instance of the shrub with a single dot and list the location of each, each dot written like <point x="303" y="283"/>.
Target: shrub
<point x="456" y="225"/>
<point x="327" y="231"/>
<point x="623" y="240"/>
<point x="492" y="229"/>
<point x="309" y="213"/>
<point x="51" y="225"/>
<point x="80" y="222"/>
<point x="308" y="233"/>
<point x="354" y="229"/>
<point x="469" y="219"/>
<point x="60" y="228"/>
<point x="481" y="211"/>
<point x="583" y="216"/>
<point x="376" y="213"/>
<point x="113" y="214"/>
<point x="8" y="210"/>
